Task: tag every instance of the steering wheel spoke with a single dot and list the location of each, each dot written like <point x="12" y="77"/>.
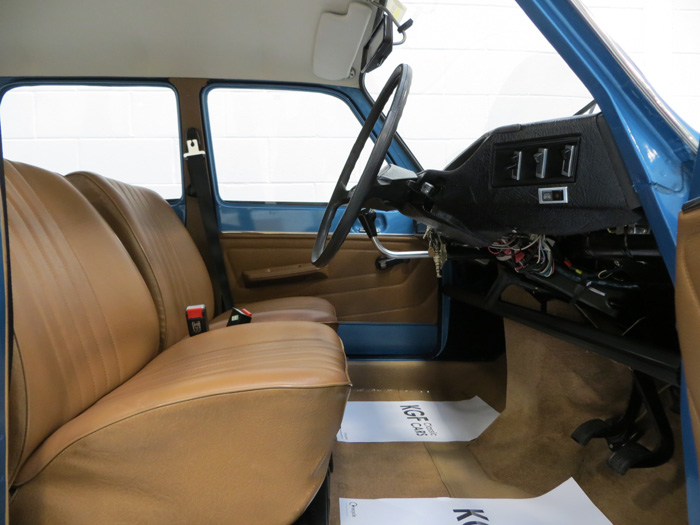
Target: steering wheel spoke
<point x="323" y="252"/>
<point x="341" y="195"/>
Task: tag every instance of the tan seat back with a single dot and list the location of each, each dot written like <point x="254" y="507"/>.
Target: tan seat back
<point x="688" y="310"/>
<point x="159" y="244"/>
<point x="84" y="321"/>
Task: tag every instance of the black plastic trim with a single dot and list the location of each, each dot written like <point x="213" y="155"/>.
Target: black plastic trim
<point x="657" y="362"/>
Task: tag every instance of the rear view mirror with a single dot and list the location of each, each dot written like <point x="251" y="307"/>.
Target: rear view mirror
<point x="378" y="47"/>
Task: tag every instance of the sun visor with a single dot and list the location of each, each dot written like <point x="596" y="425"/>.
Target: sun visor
<point x="338" y="40"/>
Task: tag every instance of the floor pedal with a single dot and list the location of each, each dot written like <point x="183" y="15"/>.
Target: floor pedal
<point x="627" y="457"/>
<point x="622" y="432"/>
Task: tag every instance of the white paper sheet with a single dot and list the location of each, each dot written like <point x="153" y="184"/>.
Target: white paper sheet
<point x="432" y="421"/>
<point x="567" y="504"/>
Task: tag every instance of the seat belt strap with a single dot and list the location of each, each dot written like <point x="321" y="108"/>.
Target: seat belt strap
<point x="201" y="183"/>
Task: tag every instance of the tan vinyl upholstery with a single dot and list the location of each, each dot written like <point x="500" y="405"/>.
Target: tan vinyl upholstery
<point x="360" y="293"/>
<point x="169" y="260"/>
<point x="688" y="310"/>
<point x="74" y="342"/>
<point x="215" y="429"/>
<point x="286" y="309"/>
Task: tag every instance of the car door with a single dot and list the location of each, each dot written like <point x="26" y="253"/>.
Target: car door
<point x="277" y="152"/>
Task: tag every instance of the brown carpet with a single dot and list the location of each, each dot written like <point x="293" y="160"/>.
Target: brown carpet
<point x="552" y="387"/>
<point x="418" y="470"/>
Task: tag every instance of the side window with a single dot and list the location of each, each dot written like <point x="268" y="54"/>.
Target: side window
<point x="122" y="132"/>
<point x="280" y="145"/>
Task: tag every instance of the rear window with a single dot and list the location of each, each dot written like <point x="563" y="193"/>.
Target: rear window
<point x="128" y="133"/>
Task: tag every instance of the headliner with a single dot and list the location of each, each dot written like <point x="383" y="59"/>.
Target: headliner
<point x="232" y="39"/>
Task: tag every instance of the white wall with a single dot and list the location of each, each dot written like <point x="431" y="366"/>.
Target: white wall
<point x="478" y="64"/>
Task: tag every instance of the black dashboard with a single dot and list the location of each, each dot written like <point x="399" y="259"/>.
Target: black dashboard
<point x="560" y="177"/>
<point x="548" y="207"/>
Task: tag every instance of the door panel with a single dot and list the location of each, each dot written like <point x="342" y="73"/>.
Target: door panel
<point x="688" y="308"/>
<point x="406" y="293"/>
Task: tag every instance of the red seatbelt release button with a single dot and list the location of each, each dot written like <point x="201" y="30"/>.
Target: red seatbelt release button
<point x="239" y="316"/>
<point x="197" y="322"/>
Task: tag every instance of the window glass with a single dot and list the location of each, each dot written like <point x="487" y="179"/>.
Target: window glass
<point x="280" y="145"/>
<point x="476" y="65"/>
<point x="124" y="133"/>
<point x="662" y="39"/>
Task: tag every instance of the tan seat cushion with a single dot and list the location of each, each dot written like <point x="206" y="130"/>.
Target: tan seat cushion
<point x="169" y="260"/>
<point x="288" y="309"/>
<point x="214" y="427"/>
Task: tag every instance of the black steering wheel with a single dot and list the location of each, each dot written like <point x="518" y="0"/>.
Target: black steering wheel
<point x="323" y="252"/>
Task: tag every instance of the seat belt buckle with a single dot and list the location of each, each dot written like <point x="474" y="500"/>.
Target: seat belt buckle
<point x="239" y="316"/>
<point x="197" y="322"/>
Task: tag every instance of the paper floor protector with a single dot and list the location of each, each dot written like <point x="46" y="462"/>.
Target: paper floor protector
<point x="567" y="504"/>
<point x="431" y="421"/>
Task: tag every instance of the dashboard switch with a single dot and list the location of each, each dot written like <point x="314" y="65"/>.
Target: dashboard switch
<point x="541" y="163"/>
<point x="567" y="165"/>
<point x="515" y="167"/>
<point x="553" y="195"/>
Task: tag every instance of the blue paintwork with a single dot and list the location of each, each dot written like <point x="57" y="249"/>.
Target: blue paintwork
<point x="389" y="339"/>
<point x="694" y="192"/>
<point x="180" y="209"/>
<point x="300" y="218"/>
<point x="658" y="161"/>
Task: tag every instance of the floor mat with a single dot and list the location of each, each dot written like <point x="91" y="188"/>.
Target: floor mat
<point x="426" y="421"/>
<point x="565" y="504"/>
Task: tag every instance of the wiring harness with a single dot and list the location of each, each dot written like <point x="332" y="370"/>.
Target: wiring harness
<point x="527" y="253"/>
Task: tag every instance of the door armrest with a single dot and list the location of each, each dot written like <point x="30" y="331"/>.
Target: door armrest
<point x="277" y="274"/>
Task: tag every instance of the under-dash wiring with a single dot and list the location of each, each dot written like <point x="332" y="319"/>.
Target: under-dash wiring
<point x="527" y="253"/>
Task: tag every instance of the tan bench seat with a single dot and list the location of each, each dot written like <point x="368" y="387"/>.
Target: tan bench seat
<point x="104" y="429"/>
<point x="170" y="262"/>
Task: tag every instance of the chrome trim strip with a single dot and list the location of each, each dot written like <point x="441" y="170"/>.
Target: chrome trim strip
<point x="639" y="80"/>
<point x="399" y="255"/>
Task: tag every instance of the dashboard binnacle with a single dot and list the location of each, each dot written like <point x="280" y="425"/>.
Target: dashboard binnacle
<point x="556" y="178"/>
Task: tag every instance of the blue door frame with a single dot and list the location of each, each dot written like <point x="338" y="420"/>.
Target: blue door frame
<point x="660" y="160"/>
<point x="361" y="340"/>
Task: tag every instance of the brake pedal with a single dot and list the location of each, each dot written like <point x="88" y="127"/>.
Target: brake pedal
<point x="629" y="456"/>
<point x="622" y="432"/>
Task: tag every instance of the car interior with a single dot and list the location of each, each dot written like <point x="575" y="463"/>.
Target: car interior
<point x="188" y="358"/>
